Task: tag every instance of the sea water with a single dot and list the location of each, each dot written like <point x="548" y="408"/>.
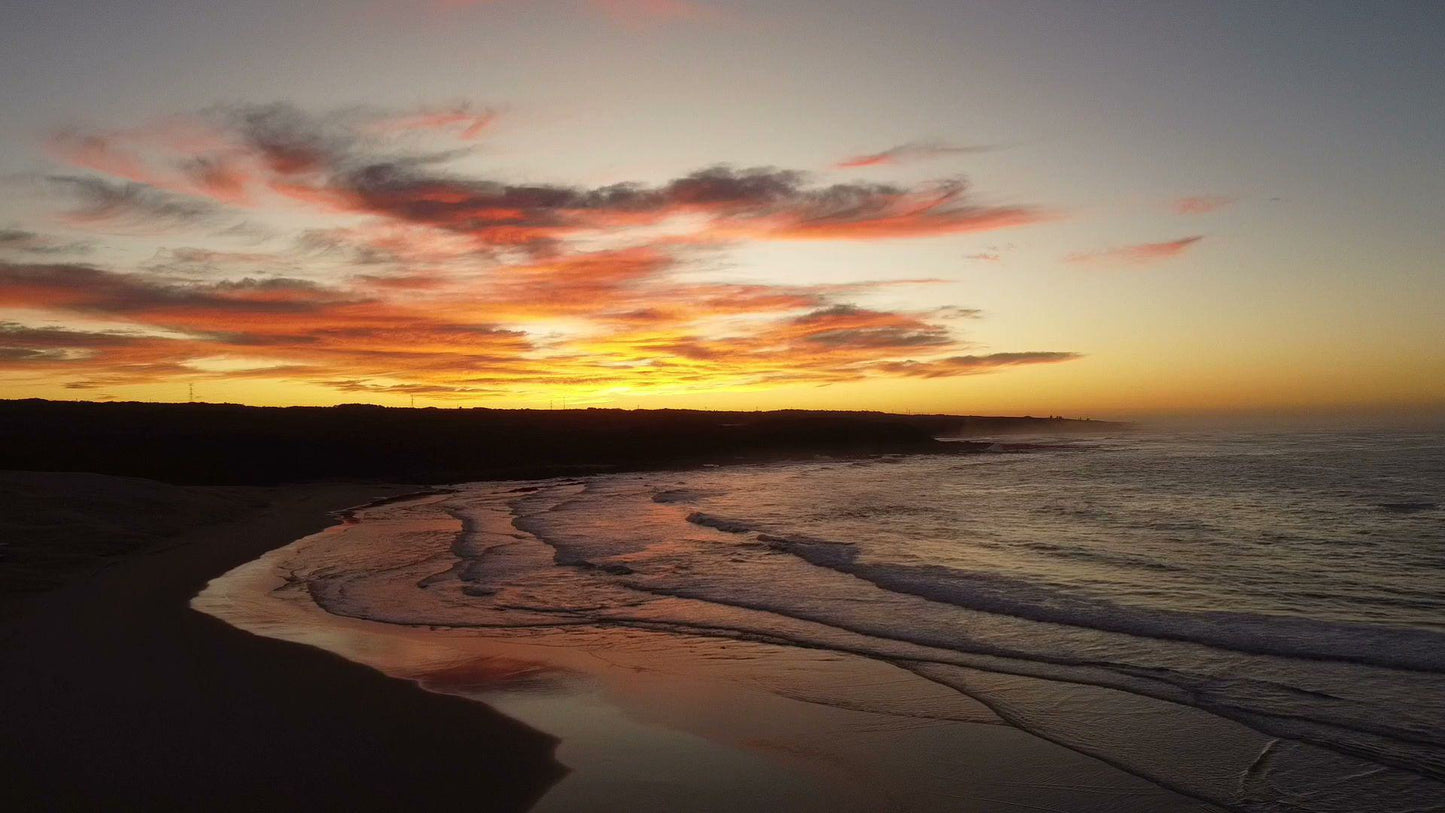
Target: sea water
<point x="1255" y="619"/>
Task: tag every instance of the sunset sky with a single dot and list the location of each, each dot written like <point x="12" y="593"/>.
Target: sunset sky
<point x="945" y="206"/>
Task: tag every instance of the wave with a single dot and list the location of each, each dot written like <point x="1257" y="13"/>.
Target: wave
<point x="1406" y="507"/>
<point x="568" y="527"/>
<point x="1105" y="557"/>
<point x="1286" y="615"/>
<point x="1344" y="726"/>
<point x="1276" y="635"/>
<point x="731" y="526"/>
<point x="674" y="495"/>
<point x="1392" y="647"/>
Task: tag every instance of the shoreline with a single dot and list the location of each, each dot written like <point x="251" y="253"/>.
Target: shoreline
<point x="659" y="691"/>
<point x="117" y="694"/>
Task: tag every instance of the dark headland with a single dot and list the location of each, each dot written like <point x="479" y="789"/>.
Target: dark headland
<point x="116" y="695"/>
<point x="226" y="444"/>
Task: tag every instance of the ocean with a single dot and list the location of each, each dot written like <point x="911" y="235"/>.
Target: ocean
<point x="1251" y="620"/>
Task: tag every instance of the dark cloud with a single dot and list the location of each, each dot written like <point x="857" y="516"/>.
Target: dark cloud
<point x="847" y="326"/>
<point x="211" y="263"/>
<point x="832" y="314"/>
<point x="725" y="187"/>
<point x="22" y="241"/>
<point x="26" y="354"/>
<point x="883" y="337"/>
<point x="758" y="203"/>
<point x="358" y="385"/>
<point x="88" y="351"/>
<point x="217" y="177"/>
<point x="340" y="244"/>
<point x="353" y="160"/>
<point x="93" y="290"/>
<point x="330" y="159"/>
<point x="127" y="203"/>
<point x="13" y="334"/>
<point x="289" y="140"/>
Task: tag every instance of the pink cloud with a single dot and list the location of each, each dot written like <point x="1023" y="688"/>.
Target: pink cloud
<point x="463" y="121"/>
<point x="323" y="162"/>
<point x="913" y="151"/>
<point x="1137" y="254"/>
<point x="1201" y="204"/>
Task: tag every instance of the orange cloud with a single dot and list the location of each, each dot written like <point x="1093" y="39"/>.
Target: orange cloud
<point x="636" y="327"/>
<point x="972" y="365"/>
<point x="1201" y="204"/>
<point x="410" y="276"/>
<point x="1134" y="255"/>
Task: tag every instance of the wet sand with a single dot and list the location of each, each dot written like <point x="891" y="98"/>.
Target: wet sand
<point x="116" y="695"/>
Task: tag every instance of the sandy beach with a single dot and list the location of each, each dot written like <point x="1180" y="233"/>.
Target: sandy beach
<point x="116" y="695"/>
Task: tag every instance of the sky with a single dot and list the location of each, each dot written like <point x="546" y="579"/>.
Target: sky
<point x="1088" y="209"/>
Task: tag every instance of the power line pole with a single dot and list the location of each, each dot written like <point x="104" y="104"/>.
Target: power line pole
<point x="190" y="393"/>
